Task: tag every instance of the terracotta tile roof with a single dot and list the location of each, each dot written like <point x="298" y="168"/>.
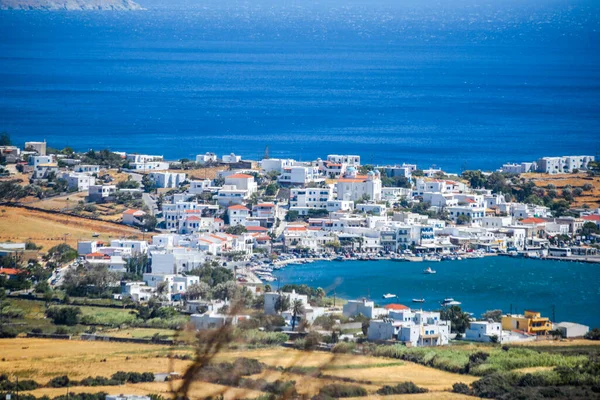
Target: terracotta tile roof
<point x="591" y="218"/>
<point x="396" y="307"/>
<point x="193" y="211"/>
<point x="265" y="205"/>
<point x="194" y="218"/>
<point x="236" y="176"/>
<point x="9" y="271"/>
<point x="264" y="238"/>
<point x="533" y="220"/>
<point x="256" y="229"/>
<point x="351" y="180"/>
<point x="237" y="207"/>
<point x="219" y="220"/>
<point x="132" y="211"/>
<point x="296" y="228"/>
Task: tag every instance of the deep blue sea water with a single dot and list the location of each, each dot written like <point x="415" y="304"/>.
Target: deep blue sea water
<point x="464" y="84"/>
<point x="480" y="284"/>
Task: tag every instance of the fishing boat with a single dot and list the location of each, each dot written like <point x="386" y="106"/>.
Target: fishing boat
<point x="389" y="296"/>
<point x="418" y="300"/>
<point x="450" y="302"/>
<point x="428" y="270"/>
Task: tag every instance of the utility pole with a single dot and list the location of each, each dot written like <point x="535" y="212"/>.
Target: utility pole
<point x="553" y="313"/>
<point x="334" y="297"/>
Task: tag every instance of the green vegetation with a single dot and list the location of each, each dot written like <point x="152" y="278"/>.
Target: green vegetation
<point x="460" y="360"/>
<point x="339" y="390"/>
<point x="64" y="315"/>
<point x="402" y="388"/>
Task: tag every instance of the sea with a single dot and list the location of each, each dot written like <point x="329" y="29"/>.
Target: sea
<point x="565" y="291"/>
<point x="459" y="85"/>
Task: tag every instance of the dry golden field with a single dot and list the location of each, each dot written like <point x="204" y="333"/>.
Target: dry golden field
<point x="48" y="230"/>
<point x="42" y="359"/>
<point x="591" y="198"/>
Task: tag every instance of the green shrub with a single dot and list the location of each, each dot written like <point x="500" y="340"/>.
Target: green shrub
<point x="59" y="382"/>
<point x="64" y="315"/>
<point x="461" y="388"/>
<point x="402" y="388"/>
<point x="344" y="347"/>
<point x="338" y="390"/>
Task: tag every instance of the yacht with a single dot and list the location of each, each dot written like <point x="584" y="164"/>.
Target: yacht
<point x="428" y="270"/>
<point x="418" y="300"/>
<point x="389" y="296"/>
<point x="450" y="302"/>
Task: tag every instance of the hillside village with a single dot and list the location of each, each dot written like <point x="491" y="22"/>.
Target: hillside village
<point x="207" y="235"/>
<point x="254" y="217"/>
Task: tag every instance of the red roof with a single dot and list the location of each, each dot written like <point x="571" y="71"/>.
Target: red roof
<point x="265" y="205"/>
<point x="263" y="238"/>
<point x="194" y="218"/>
<point x="256" y="229"/>
<point x="193" y="211"/>
<point x="219" y="220"/>
<point x="9" y="271"/>
<point x="96" y="254"/>
<point x="235" y="176"/>
<point x="351" y="180"/>
<point x="396" y="307"/>
<point x="592" y="218"/>
<point x="132" y="211"/>
<point x="533" y="221"/>
<point x="296" y="228"/>
<point x="237" y="207"/>
<point x="470" y="200"/>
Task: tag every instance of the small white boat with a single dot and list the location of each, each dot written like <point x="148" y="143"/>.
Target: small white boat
<point x="428" y="270"/>
<point x="418" y="300"/>
<point x="389" y="296"/>
<point x="450" y="302"/>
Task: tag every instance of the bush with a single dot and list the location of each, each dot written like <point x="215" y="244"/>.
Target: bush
<point x="461" y="388"/>
<point x="594" y="334"/>
<point x="8" y="332"/>
<point x="59" y="382"/>
<point x="344" y="347"/>
<point x="312" y="340"/>
<point x="64" y="315"/>
<point x="338" y="390"/>
<point x="494" y="385"/>
<point x="402" y="388"/>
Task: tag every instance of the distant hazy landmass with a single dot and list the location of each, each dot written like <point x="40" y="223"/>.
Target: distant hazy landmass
<point x="69" y="5"/>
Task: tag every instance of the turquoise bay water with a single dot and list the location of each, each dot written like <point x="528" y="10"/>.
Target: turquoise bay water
<point x="480" y="284"/>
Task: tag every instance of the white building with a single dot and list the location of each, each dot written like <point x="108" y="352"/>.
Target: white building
<point x="206" y="158"/>
<point x="168" y="180"/>
<point x="214" y="320"/>
<point x="354" y="187"/>
<point x="354" y="308"/>
<point x="198" y="187"/>
<point x="86" y="168"/>
<point x="231" y="159"/>
<point x="419" y="328"/>
<point x="276" y="164"/>
<point x="299" y="175"/>
<point x="98" y="193"/>
<point x="242" y="182"/>
<point x="271" y="300"/>
<point x="563" y="165"/>
<point x="522" y="168"/>
<point x="34" y="161"/>
<point x="237" y="215"/>
<point x="482" y="331"/>
<point x="350" y="160"/>
<point x="133" y="217"/>
<point x="135" y="246"/>
<point x="571" y="329"/>
<point x="38" y="147"/>
<point x="302" y="200"/>
<point x="78" y="181"/>
<point x="177" y="260"/>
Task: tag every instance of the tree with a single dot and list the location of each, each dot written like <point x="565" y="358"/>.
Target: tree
<point x="476" y="178"/>
<point x="149" y="222"/>
<point x="459" y="319"/>
<point x="297" y="309"/>
<point x="560" y="207"/>
<point x="236" y="230"/>
<point x="590" y="228"/>
<point x="494" y="315"/>
<point x="282" y="303"/>
<point x="292" y="215"/>
<point x="149" y="184"/>
<point x="64" y="315"/>
<point x="5" y="139"/>
<point x="268" y="288"/>
<point x="320" y="293"/>
<point x="199" y="290"/>
<point x="226" y="290"/>
<point x="463" y="219"/>
<point x="271" y="189"/>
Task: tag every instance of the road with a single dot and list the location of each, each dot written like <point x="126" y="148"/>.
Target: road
<point x="150" y="203"/>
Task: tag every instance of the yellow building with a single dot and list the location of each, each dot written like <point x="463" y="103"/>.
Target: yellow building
<point x="532" y="322"/>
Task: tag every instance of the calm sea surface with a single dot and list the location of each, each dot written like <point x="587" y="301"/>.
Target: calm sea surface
<point x="459" y="85"/>
<point x="480" y="284"/>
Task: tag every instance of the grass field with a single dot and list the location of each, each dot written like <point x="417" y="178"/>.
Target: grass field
<point x="42" y="359"/>
<point x="591" y="198"/>
<point x="48" y="230"/>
